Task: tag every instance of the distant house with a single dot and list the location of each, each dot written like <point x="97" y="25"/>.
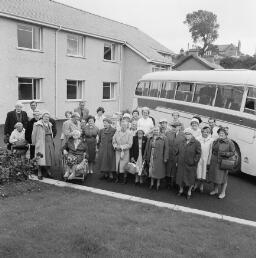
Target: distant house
<point x="225" y="50"/>
<point x="58" y="55"/>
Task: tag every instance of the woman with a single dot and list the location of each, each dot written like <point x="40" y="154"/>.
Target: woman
<point x="106" y="159"/>
<point x="76" y="153"/>
<point x="222" y="148"/>
<point x="42" y="138"/>
<point x="133" y="127"/>
<point x="122" y="142"/>
<point x="194" y="125"/>
<point x="206" y="145"/>
<point x="156" y="155"/>
<point x="99" y="118"/>
<point x="189" y="153"/>
<point x="135" y="115"/>
<point x="68" y="115"/>
<point x="145" y="122"/>
<point x="137" y="152"/>
<point x="89" y="134"/>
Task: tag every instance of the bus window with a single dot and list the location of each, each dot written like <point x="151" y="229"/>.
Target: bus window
<point x="139" y="89"/>
<point x="229" y="97"/>
<point x="204" y="94"/>
<point x="163" y="90"/>
<point x="146" y="88"/>
<point x="184" y="91"/>
<point x="154" y="89"/>
<point x="170" y="90"/>
<point x="250" y="104"/>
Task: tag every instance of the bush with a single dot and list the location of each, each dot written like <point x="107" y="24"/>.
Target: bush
<point x="14" y="168"/>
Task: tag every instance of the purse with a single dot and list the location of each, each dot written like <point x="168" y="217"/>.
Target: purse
<point x="228" y="164"/>
<point x="130" y="167"/>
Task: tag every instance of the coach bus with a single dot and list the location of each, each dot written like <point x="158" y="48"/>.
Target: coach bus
<point x="229" y="96"/>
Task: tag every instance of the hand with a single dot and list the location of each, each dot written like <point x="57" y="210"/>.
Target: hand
<point x="132" y="160"/>
<point x="65" y="152"/>
<point x="165" y="160"/>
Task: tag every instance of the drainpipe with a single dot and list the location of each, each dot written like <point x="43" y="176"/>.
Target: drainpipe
<point x="56" y="72"/>
<point x="120" y="93"/>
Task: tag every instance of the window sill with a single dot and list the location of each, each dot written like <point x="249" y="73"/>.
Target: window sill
<point x="73" y="100"/>
<point x="31" y="50"/>
<point x="111" y="61"/>
<point x="28" y="101"/>
<point x="108" y="100"/>
<point x="82" y="57"/>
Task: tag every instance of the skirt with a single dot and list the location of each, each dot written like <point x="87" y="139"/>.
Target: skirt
<point x="49" y="151"/>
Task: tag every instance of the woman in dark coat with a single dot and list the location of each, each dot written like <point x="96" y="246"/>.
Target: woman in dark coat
<point x="136" y="153"/>
<point x="89" y="134"/>
<point x="107" y="158"/>
<point x="156" y="155"/>
<point x="222" y="148"/>
<point x="189" y="153"/>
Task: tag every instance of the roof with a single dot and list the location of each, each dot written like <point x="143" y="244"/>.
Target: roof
<point x="200" y="60"/>
<point x="58" y="15"/>
<point x="224" y="47"/>
<point x="222" y="76"/>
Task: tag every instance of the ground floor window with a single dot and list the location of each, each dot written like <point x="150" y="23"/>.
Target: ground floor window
<point x="109" y="90"/>
<point x="29" y="88"/>
<point x="75" y="89"/>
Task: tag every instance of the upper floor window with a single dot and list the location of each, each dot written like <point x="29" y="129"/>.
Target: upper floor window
<point x="75" y="45"/>
<point x="111" y="52"/>
<point x="29" y="36"/>
<point x="109" y="90"/>
<point x="29" y="88"/>
<point x="250" y="104"/>
<point x="74" y="90"/>
<point x="158" y="68"/>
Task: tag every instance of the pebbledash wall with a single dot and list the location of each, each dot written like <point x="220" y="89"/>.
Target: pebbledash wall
<point x="55" y="67"/>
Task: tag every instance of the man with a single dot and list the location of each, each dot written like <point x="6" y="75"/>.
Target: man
<point x="82" y="111"/>
<point x="163" y="126"/>
<point x="13" y="117"/>
<point x="214" y="128"/>
<point x="33" y="108"/>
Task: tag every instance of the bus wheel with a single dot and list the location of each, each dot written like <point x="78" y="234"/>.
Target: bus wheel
<point x="237" y="168"/>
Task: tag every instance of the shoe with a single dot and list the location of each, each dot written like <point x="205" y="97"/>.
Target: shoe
<point x="72" y="176"/>
<point x="213" y="192"/>
<point x="49" y="176"/>
<point x="221" y="196"/>
<point x="188" y="196"/>
<point x="179" y="193"/>
<point x="40" y="177"/>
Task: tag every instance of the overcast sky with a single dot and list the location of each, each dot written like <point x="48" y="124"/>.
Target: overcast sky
<point x="163" y="19"/>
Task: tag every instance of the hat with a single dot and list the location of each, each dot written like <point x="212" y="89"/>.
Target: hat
<point x="188" y="131"/>
<point x="140" y="129"/>
<point x="175" y="124"/>
<point x="75" y="114"/>
<point x="194" y="120"/>
<point x="163" y="120"/>
<point x="108" y="120"/>
<point x="127" y="115"/>
<point x="45" y="112"/>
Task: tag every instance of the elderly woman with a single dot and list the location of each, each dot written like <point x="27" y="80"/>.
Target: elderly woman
<point x="194" y="126"/>
<point x="106" y="158"/>
<point x="89" y="134"/>
<point x="145" y="122"/>
<point x="133" y="127"/>
<point x="222" y="148"/>
<point x="206" y="145"/>
<point x="122" y="142"/>
<point x="189" y="153"/>
<point x="135" y="115"/>
<point x="42" y="139"/>
<point x="99" y="118"/>
<point x="76" y="153"/>
<point x="156" y="155"/>
<point x="137" y="152"/>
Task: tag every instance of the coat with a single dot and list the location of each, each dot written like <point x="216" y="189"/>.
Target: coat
<point x="106" y="158"/>
<point x="174" y="140"/>
<point x="134" y="151"/>
<point x="156" y="160"/>
<point x="188" y="158"/>
<point x="68" y="127"/>
<point x="221" y="149"/>
<point x="122" y="140"/>
<point x="38" y="139"/>
<point x="11" y="120"/>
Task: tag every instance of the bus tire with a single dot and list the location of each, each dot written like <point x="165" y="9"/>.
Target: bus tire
<point x="237" y="168"/>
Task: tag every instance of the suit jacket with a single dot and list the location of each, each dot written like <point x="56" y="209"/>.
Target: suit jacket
<point x="85" y="113"/>
<point x="11" y="120"/>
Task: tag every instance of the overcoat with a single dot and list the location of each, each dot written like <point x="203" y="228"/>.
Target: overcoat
<point x="106" y="158"/>
<point x="160" y="154"/>
<point x="38" y="139"/>
<point x="221" y="149"/>
<point x="134" y="151"/>
<point x="188" y="157"/>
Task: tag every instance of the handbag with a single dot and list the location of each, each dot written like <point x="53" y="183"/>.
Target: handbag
<point x="130" y="167"/>
<point x="228" y="164"/>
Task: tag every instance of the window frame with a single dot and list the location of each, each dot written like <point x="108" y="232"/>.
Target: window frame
<point x="32" y="84"/>
<point x="32" y="37"/>
<point x="112" y="85"/>
<point x="115" y="52"/>
<point x="83" y="55"/>
<point x="245" y="97"/>
<point x="82" y="89"/>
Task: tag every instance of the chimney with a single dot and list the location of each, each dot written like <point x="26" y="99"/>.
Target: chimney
<point x="239" y="47"/>
<point x="182" y="52"/>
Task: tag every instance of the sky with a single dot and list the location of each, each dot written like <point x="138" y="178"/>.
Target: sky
<point x="163" y="19"/>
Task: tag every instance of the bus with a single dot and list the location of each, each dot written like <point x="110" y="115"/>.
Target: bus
<point x="228" y="96"/>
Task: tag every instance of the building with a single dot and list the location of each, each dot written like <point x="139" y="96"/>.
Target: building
<point x="58" y="55"/>
<point x="225" y="50"/>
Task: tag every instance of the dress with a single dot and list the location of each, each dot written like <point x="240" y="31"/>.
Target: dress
<point x="49" y="147"/>
<point x="99" y="121"/>
<point x="206" y="146"/>
<point x="90" y="134"/>
<point x="123" y="140"/>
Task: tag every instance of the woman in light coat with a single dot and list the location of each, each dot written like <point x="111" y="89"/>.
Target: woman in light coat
<point x="42" y="138"/>
<point x="122" y="142"/>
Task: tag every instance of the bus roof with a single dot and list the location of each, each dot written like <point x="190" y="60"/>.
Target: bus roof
<point x="238" y="76"/>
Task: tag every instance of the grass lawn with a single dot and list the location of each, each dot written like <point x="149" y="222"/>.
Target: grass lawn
<point x="60" y="222"/>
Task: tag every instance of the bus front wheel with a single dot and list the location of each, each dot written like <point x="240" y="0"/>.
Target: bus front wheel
<point x="237" y="169"/>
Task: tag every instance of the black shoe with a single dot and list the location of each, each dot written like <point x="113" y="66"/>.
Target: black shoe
<point x="50" y="176"/>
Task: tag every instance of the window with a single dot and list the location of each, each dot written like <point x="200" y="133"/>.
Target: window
<point x="154" y="89"/>
<point x="111" y="52"/>
<point x="109" y="90"/>
<point x="204" y="94"/>
<point x="146" y="89"/>
<point x="75" y="45"/>
<point x="229" y="97"/>
<point x="250" y="104"/>
<point x="158" y="68"/>
<point x="184" y="91"/>
<point x="29" y="88"/>
<point x="139" y="89"/>
<point x="168" y="90"/>
<point x="29" y="37"/>
<point x="74" y="89"/>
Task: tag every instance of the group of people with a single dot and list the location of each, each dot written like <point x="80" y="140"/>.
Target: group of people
<point x="127" y="143"/>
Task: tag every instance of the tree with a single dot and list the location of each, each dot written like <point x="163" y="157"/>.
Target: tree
<point x="243" y="62"/>
<point x="203" y="27"/>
